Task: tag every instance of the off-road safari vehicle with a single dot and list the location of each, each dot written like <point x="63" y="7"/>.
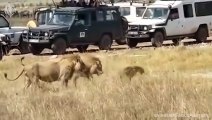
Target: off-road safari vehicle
<point x="131" y="11"/>
<point x="42" y="16"/>
<point x="172" y="20"/>
<point x="77" y="27"/>
<point x="15" y="34"/>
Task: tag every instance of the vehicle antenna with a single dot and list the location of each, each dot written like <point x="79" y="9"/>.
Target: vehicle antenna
<point x="54" y="4"/>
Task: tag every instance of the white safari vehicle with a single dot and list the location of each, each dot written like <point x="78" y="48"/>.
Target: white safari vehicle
<point x="131" y="11"/>
<point x="172" y="20"/>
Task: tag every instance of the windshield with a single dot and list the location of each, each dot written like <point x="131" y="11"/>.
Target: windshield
<point x="44" y="17"/>
<point x="62" y="19"/>
<point x="140" y="11"/>
<point x="156" y="13"/>
<point x="124" y="11"/>
<point x="3" y="22"/>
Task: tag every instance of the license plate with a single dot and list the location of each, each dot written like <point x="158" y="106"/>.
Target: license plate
<point x="144" y="35"/>
<point x="33" y="40"/>
<point x="132" y="33"/>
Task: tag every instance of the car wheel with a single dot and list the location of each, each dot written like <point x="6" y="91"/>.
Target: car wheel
<point x="124" y="24"/>
<point x="59" y="46"/>
<point x="82" y="48"/>
<point x="35" y="49"/>
<point x="132" y="43"/>
<point x="24" y="47"/>
<point x="202" y="34"/>
<point x="157" y="39"/>
<point x="105" y="43"/>
<point x="176" y="42"/>
<point x="121" y="41"/>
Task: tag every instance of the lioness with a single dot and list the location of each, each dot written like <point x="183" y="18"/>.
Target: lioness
<point x="49" y="71"/>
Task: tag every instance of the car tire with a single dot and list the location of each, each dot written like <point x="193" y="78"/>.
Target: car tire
<point x="176" y="42"/>
<point x="59" y="46"/>
<point x="82" y="48"/>
<point x="105" y="42"/>
<point x="124" y="24"/>
<point x="157" y="39"/>
<point x="35" y="49"/>
<point x="202" y="34"/>
<point x="121" y="41"/>
<point x="23" y="47"/>
<point x="132" y="43"/>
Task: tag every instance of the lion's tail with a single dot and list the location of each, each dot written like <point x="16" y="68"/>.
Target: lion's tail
<point x="5" y="76"/>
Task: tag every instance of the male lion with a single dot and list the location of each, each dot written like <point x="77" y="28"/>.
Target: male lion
<point x="91" y="65"/>
<point x="49" y="71"/>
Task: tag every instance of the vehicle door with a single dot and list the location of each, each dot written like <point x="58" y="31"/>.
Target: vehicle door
<point x="173" y="23"/>
<point x="188" y="23"/>
<point x="6" y="30"/>
<point x="112" y="22"/>
<point x="81" y="26"/>
<point x="95" y="29"/>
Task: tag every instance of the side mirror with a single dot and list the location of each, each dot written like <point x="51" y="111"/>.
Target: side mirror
<point x="173" y="17"/>
<point x="79" y="22"/>
<point x="170" y="17"/>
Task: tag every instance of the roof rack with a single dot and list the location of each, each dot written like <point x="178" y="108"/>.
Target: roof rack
<point x="131" y="2"/>
<point x="144" y="3"/>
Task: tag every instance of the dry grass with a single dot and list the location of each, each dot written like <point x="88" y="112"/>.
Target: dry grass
<point x="19" y="21"/>
<point x="166" y="87"/>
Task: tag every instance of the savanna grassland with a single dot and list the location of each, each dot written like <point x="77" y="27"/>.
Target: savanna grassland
<point x="19" y="21"/>
<point x="176" y="81"/>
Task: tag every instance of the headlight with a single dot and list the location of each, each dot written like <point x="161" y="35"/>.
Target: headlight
<point x="25" y="31"/>
<point x="145" y="28"/>
<point x="46" y="34"/>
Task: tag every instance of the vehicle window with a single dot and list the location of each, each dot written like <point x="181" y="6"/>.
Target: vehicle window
<point x="109" y="15"/>
<point x="3" y="22"/>
<point x="84" y="19"/>
<point x="115" y="14"/>
<point x="156" y="13"/>
<point x="100" y="15"/>
<point x="93" y="16"/>
<point x="62" y="19"/>
<point x="203" y="8"/>
<point x="41" y="18"/>
<point x="49" y="15"/>
<point x="188" y="11"/>
<point x="174" y="14"/>
<point x="124" y="11"/>
<point x="140" y="11"/>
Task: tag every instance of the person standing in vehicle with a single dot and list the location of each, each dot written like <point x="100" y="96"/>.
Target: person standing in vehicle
<point x="81" y="3"/>
<point x="72" y="3"/>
